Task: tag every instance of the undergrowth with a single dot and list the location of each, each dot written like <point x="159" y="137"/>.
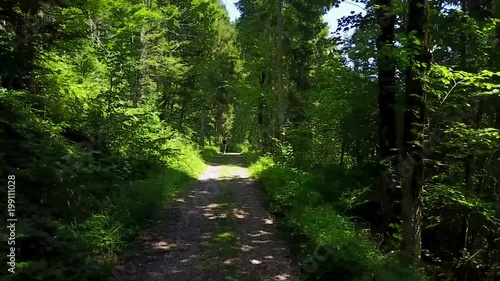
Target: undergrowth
<point x="82" y="195"/>
<point x="332" y="247"/>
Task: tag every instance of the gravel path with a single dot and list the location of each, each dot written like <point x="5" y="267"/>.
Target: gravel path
<point x="219" y="231"/>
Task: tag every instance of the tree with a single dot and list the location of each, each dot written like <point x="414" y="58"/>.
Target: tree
<point x="412" y="156"/>
<point x="386" y="63"/>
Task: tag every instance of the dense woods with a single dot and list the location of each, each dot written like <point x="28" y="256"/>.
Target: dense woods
<point x="381" y="148"/>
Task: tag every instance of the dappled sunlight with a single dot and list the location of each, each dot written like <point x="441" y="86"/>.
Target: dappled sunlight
<point x="214" y="217"/>
<point x="232" y="261"/>
<point x="240" y="214"/>
<point x="163" y="245"/>
<point x="204" y="192"/>
<point x="213" y="211"/>
<point x="190" y="258"/>
<point x="220" y="231"/>
<point x="206" y="180"/>
<point x="212" y="206"/>
<point x="255" y="262"/>
<point x="261" y="241"/>
<point x="246" y="248"/>
<point x="260" y="233"/>
<point x="268" y="221"/>
<point x="282" y="277"/>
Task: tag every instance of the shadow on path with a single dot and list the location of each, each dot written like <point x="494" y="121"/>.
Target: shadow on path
<point x="229" y="158"/>
<point x="218" y="231"/>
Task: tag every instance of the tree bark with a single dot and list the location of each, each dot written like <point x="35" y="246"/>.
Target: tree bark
<point x="386" y="102"/>
<point x="496" y="61"/>
<point x="182" y="112"/>
<point x="203" y="121"/>
<point x="342" y="151"/>
<point x="281" y="117"/>
<point x="139" y="95"/>
<point x="412" y="157"/>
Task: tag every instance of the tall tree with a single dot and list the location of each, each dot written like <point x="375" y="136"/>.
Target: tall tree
<point x="386" y="62"/>
<point x="412" y="158"/>
<point x="279" y="54"/>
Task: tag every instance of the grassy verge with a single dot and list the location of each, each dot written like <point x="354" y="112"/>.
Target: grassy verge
<point x="209" y="152"/>
<point x="106" y="218"/>
<point x="331" y="246"/>
<point x="87" y="182"/>
<point x="250" y="156"/>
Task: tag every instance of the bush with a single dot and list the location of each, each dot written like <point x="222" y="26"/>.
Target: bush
<point x="332" y="247"/>
<point x="81" y="194"/>
<point x="209" y="152"/>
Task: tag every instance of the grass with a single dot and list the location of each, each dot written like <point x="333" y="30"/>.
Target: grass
<point x="331" y="246"/>
<point x="110" y="214"/>
<point x="225" y="241"/>
<point x="209" y="152"/>
<point x="80" y="207"/>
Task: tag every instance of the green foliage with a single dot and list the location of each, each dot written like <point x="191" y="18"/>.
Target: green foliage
<point x="89" y="203"/>
<point x="100" y="123"/>
<point x="106" y="106"/>
<point x="331" y="245"/>
<point x="209" y="152"/>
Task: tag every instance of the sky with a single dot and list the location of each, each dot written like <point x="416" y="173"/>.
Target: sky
<point x="330" y="18"/>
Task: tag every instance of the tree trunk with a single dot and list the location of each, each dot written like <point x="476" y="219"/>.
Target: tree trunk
<point x="203" y="124"/>
<point x="412" y="157"/>
<point x="218" y="121"/>
<point x="464" y="233"/>
<point x="139" y="95"/>
<point x="342" y="151"/>
<point x="261" y="112"/>
<point x="181" y="116"/>
<point x="281" y="117"/>
<point x="386" y="102"/>
<point x="496" y="61"/>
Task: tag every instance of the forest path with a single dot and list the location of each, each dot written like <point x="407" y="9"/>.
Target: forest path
<point x="219" y="231"/>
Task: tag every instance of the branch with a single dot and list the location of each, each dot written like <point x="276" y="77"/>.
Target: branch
<point x="452" y="88"/>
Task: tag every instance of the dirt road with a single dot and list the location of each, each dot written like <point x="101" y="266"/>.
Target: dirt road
<point x="219" y="231"/>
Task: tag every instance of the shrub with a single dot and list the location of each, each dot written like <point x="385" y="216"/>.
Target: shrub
<point x="331" y="246"/>
<point x="80" y="199"/>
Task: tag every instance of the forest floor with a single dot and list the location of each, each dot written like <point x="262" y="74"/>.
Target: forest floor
<point x="220" y="230"/>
